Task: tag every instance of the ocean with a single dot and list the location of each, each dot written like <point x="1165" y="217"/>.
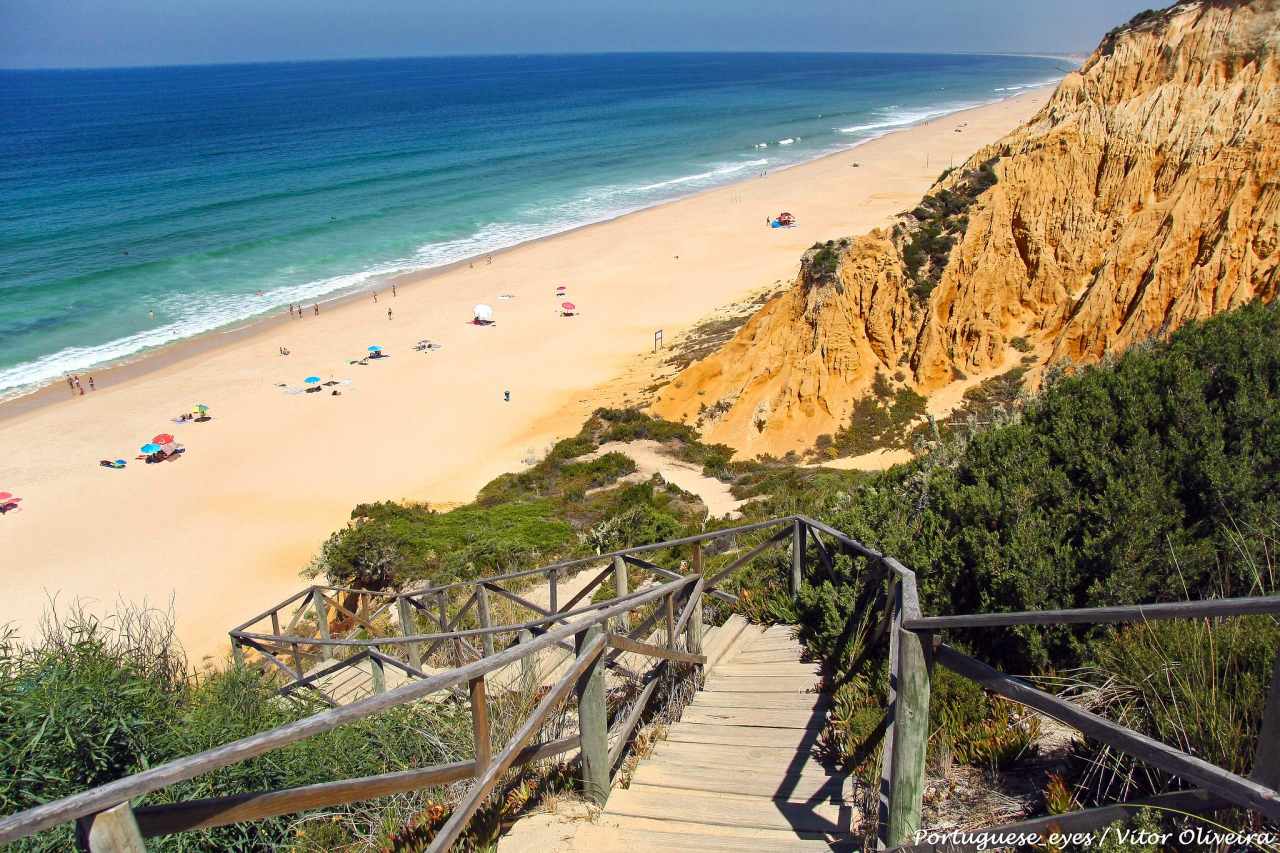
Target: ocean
<point x="142" y="206"/>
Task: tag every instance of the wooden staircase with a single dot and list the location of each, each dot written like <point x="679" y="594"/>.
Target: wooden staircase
<point x="737" y="771"/>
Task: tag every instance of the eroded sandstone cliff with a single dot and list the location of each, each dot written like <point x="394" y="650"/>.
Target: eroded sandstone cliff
<point x="1144" y="194"/>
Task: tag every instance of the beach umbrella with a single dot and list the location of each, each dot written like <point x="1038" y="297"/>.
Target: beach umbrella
<point x="149" y="448"/>
<point x="201" y="407"/>
<point x="568" y="306"/>
<point x="121" y="462"/>
<point x="311" y="380"/>
<point x="162" y="438"/>
<point x="375" y="348"/>
<point x="561" y="289"/>
<point x="4" y="496"/>
<point x="483" y="313"/>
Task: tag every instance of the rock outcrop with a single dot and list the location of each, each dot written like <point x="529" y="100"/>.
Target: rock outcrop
<point x="1145" y="193"/>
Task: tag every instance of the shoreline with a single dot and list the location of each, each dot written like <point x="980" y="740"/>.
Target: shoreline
<point x="144" y="362"/>
<point x="227" y="528"/>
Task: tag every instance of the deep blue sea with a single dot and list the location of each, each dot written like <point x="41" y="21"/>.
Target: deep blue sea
<point x="140" y="206"/>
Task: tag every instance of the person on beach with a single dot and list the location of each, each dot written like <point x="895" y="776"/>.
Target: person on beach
<point x="393" y="288"/>
<point x="91" y="388"/>
<point x="79" y="387"/>
<point x="375" y="296"/>
<point x="506" y="396"/>
<point x="388" y="313"/>
<point x="316" y="309"/>
<point x="70" y="384"/>
<point x="290" y="309"/>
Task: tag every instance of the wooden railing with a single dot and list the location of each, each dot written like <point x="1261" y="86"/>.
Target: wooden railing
<point x="652" y="622"/>
<point x="670" y="606"/>
<point x="914" y="647"/>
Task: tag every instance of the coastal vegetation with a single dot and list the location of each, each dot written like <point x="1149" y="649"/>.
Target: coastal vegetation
<point x="940" y="220"/>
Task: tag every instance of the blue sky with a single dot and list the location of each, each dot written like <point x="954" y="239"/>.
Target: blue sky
<point x="77" y="33"/>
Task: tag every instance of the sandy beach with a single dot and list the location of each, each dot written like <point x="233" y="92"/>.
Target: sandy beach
<point x="225" y="529"/>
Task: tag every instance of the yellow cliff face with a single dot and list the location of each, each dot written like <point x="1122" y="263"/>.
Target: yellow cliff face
<point x="1145" y="194"/>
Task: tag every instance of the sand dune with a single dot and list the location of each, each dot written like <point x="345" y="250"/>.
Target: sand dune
<point x="225" y="530"/>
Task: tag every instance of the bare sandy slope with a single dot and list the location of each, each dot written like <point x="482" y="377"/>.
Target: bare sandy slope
<point x="225" y="530"/>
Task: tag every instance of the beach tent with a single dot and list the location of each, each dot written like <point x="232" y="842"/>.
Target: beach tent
<point x="483" y="313"/>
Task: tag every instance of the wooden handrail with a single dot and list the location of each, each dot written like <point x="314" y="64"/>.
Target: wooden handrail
<point x="33" y="820"/>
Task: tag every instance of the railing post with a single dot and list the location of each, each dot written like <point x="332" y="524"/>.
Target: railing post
<point x="322" y="622"/>
<point x="670" y="604"/>
<point x="1266" y="759"/>
<point x="480" y="724"/>
<point x="910" y="736"/>
<point x="553" y="593"/>
<point x="620" y="587"/>
<point x="377" y="673"/>
<point x="482" y="608"/>
<point x="408" y="628"/>
<point x="893" y="612"/>
<point x="797" y="555"/>
<point x="237" y="653"/>
<point x="593" y="723"/>
<point x="693" y="630"/>
<point x="528" y="664"/>
<point x="114" y="830"/>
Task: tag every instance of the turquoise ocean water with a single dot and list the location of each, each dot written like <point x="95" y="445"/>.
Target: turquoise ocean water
<point x="142" y="206"/>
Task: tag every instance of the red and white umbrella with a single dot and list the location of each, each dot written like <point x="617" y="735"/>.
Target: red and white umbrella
<point x="568" y="306"/>
<point x="162" y="438"/>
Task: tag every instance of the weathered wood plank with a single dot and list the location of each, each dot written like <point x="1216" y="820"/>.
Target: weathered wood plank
<point x="723" y="734"/>
<point x="626" y="644"/>
<point x="765" y="782"/>
<point x="763" y="717"/>
<point x="114" y="830"/>
<point x="1103" y="615"/>
<point x="679" y="806"/>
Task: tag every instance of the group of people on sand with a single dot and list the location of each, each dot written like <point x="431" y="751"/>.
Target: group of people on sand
<point x="73" y="382"/>
<point x="296" y="310"/>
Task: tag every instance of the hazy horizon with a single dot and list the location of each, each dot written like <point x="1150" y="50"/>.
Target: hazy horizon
<point x="146" y="33"/>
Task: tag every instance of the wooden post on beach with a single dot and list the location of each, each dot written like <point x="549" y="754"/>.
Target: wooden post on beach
<point x="114" y="830"/>
<point x="408" y="628"/>
<point x="593" y="723"/>
<point x="482" y="607"/>
<point x="322" y="622"/>
<point x="620" y="588"/>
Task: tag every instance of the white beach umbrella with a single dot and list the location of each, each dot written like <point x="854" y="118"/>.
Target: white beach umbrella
<point x="484" y="313"/>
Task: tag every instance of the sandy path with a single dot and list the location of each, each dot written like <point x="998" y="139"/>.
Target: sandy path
<point x="651" y="458"/>
<point x="225" y="530"/>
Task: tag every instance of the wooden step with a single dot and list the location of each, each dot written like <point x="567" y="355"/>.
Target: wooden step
<point x="631" y="835"/>
<point x="803" y="786"/>
<point x="678" y="806"/>
<point x="763" y="684"/>
<point x="732" y="755"/>
<point x="743" y="699"/>
<point x="769" y="718"/>
<point x="738" y="669"/>
<point x="745" y="736"/>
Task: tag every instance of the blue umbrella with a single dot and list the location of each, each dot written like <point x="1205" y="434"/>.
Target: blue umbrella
<point x="375" y="348"/>
<point x="121" y="463"/>
<point x="311" y="380"/>
<point x="149" y="448"/>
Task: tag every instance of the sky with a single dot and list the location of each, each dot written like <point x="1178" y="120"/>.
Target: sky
<point x="93" y="33"/>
